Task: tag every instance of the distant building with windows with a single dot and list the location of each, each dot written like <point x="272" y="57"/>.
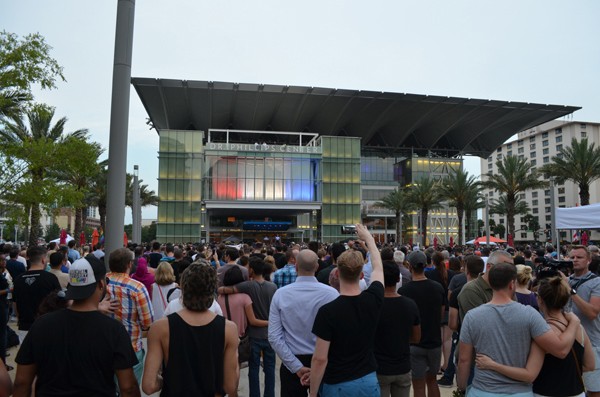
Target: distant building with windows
<point x="538" y="145"/>
<point x="271" y="162"/>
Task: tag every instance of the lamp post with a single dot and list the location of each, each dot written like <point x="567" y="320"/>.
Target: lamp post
<point x="136" y="208"/>
<point x="119" y="123"/>
<point x="487" y="220"/>
<point x="553" y="218"/>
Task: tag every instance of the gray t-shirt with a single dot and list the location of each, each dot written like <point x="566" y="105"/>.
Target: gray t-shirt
<point x="504" y="333"/>
<point x="585" y="291"/>
<point x="261" y="294"/>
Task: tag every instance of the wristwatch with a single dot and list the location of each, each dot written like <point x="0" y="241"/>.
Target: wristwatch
<point x="573" y="291"/>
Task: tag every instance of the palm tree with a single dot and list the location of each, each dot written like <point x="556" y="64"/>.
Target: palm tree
<point x="426" y="195"/>
<point x="398" y="201"/>
<point x="147" y="197"/>
<point x="501" y="206"/>
<point x="33" y="139"/>
<point x="579" y="163"/>
<point x="457" y="188"/>
<point x="514" y="176"/>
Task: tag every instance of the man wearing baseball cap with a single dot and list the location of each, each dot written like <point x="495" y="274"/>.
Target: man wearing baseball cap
<point x="78" y="351"/>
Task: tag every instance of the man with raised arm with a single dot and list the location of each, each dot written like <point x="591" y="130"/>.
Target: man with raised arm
<point x="349" y="320"/>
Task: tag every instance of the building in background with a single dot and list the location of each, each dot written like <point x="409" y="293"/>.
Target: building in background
<point x="538" y="145"/>
<point x="267" y="162"/>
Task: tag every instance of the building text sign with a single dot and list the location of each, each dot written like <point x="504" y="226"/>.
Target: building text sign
<point x="258" y="147"/>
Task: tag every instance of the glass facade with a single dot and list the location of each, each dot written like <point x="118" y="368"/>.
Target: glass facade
<point x="255" y="177"/>
<point x="341" y="185"/>
<point x="179" y="185"/>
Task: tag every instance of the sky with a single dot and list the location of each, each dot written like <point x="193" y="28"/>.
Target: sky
<point x="542" y="51"/>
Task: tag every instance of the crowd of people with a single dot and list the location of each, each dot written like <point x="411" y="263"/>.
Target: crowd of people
<point x="345" y="319"/>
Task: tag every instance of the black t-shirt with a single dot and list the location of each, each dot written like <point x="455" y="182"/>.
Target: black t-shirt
<point x="392" y="350"/>
<point x="453" y="301"/>
<point x="430" y="297"/>
<point x="154" y="259"/>
<point x="323" y="275"/>
<point x="15" y="268"/>
<point x="30" y="289"/>
<point x="349" y="324"/>
<point x="76" y="353"/>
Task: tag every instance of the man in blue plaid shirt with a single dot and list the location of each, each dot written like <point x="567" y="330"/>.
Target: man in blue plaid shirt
<point x="287" y="274"/>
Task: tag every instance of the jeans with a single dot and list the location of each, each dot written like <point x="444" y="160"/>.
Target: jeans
<point x="451" y="369"/>
<point x="367" y="386"/>
<point x="258" y="346"/>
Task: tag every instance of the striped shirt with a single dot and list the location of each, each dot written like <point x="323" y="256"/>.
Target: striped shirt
<point x="135" y="312"/>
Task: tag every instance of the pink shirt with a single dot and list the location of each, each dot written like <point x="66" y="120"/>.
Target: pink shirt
<point x="237" y="304"/>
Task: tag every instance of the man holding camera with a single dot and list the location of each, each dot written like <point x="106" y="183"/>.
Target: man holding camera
<point x="585" y="303"/>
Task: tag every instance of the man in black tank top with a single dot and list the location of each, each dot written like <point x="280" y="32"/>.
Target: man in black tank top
<point x="196" y="349"/>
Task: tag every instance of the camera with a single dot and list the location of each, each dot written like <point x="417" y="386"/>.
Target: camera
<point x="548" y="267"/>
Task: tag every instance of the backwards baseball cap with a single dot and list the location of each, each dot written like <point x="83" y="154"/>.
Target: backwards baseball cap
<point x="417" y="259"/>
<point x="84" y="273"/>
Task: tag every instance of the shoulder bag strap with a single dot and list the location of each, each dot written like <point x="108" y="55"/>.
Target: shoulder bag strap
<point x="162" y="296"/>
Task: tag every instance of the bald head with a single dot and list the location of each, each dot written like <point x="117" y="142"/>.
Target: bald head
<point x="307" y="263"/>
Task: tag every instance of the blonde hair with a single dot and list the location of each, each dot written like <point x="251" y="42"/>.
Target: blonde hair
<point x="164" y="274"/>
<point x="524" y="274"/>
<point x="350" y="264"/>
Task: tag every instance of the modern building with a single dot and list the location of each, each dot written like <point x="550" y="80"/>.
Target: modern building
<point x="538" y="145"/>
<point x="269" y="162"/>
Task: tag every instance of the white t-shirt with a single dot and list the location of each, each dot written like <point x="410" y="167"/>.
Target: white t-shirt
<point x="176" y="305"/>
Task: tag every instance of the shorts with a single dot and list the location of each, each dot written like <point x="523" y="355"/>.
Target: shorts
<point x="591" y="379"/>
<point x="425" y="361"/>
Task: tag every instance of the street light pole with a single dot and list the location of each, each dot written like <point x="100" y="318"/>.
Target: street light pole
<point x="136" y="208"/>
<point x="119" y="123"/>
<point x="487" y="220"/>
<point x="553" y="219"/>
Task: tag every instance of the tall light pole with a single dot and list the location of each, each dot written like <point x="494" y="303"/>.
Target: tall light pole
<point x="553" y="219"/>
<point x="136" y="208"/>
<point x="119" y="119"/>
<point x="487" y="220"/>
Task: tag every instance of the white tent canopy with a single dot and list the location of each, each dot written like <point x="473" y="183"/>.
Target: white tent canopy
<point x="57" y="241"/>
<point x="585" y="217"/>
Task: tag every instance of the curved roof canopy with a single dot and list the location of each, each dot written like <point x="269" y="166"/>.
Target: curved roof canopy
<point x="380" y="119"/>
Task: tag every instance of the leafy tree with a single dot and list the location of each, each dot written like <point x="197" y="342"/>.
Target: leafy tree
<point x="426" y="195"/>
<point x="149" y="232"/>
<point x="37" y="142"/>
<point x="474" y="202"/>
<point x="77" y="174"/>
<point x="514" y="176"/>
<point x="24" y="62"/>
<point x="579" y="163"/>
<point x="459" y="188"/>
<point x="499" y="230"/>
<point x="398" y="201"/>
<point x="533" y="225"/>
<point x="52" y="231"/>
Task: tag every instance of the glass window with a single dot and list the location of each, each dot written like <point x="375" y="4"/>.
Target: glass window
<point x="583" y="134"/>
<point x="545" y="151"/>
<point x="547" y="193"/>
<point x="534" y="194"/>
<point x="532" y="154"/>
<point x="532" y="146"/>
<point x="548" y="218"/>
<point x="533" y="162"/>
<point x="558" y="131"/>
<point x="499" y="149"/>
<point x="535" y="210"/>
<point x="546" y="200"/>
<point x="523" y="234"/>
<point x="561" y="199"/>
<point x="509" y="146"/>
<point x="521" y="150"/>
<point x="534" y="202"/>
<point x="583" y="126"/>
<point x="544" y="143"/>
<point x="561" y="190"/>
<point x="546" y="160"/>
<point x="531" y="139"/>
<point x="509" y="153"/>
<point x="559" y="148"/>
<point x="547" y="210"/>
<point x="520" y="142"/>
<point x="558" y="138"/>
<point x="545" y="134"/>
